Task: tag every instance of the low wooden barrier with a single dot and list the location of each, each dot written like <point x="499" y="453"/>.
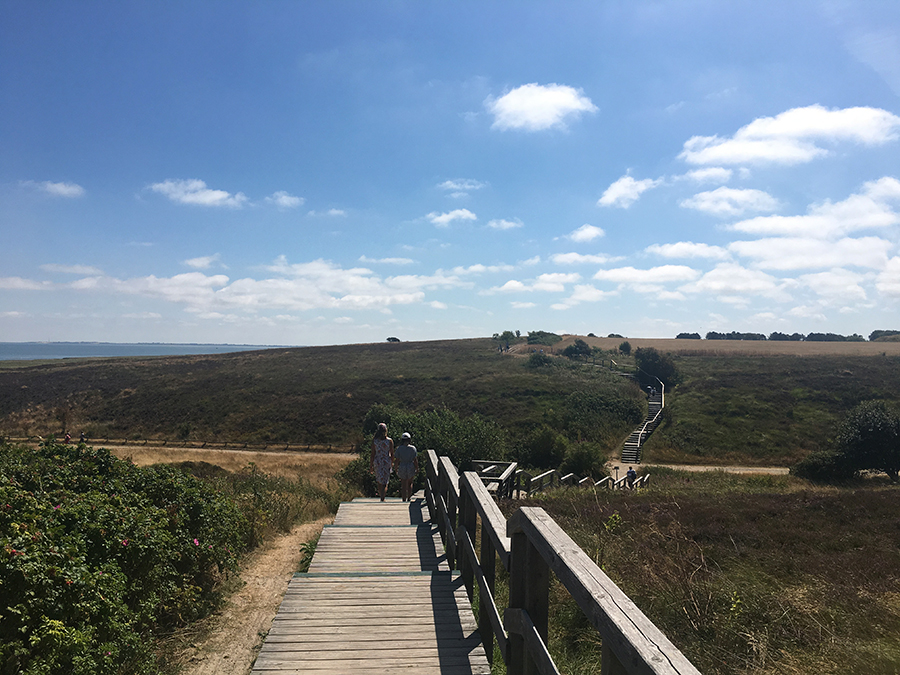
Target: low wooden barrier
<point x="530" y="546"/>
<point x="525" y="482"/>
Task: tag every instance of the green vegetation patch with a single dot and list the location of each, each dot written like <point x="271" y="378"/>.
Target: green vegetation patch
<point x="743" y="573"/>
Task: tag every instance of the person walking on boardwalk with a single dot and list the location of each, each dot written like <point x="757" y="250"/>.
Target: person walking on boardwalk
<point x="631" y="476"/>
<point x="406" y="461"/>
<point x="382" y="458"/>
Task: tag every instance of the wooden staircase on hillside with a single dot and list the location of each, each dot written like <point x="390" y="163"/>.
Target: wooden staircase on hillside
<point x="631" y="451"/>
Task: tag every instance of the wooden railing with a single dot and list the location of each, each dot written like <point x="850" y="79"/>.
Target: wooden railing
<point x="530" y="546"/>
<point x="525" y="482"/>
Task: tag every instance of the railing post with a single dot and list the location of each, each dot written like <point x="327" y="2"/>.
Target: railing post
<point x="529" y="590"/>
<point x="488" y="568"/>
<point x="467" y="521"/>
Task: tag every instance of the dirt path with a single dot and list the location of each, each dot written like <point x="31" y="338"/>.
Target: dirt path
<point x="235" y="633"/>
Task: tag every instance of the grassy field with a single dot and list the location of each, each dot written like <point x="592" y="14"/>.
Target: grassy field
<point x="745" y="574"/>
<point x="739" y="402"/>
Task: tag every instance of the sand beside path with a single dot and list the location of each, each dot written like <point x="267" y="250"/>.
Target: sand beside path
<point x="235" y="633"/>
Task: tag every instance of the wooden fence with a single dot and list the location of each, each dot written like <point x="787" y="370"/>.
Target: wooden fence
<point x="530" y="545"/>
<point x="505" y="480"/>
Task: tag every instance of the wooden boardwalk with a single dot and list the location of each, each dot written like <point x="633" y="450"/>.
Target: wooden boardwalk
<point x="379" y="598"/>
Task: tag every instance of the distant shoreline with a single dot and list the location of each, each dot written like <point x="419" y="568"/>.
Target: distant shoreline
<point x="39" y="351"/>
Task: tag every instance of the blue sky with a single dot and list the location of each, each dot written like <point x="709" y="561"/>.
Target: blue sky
<point x="336" y="172"/>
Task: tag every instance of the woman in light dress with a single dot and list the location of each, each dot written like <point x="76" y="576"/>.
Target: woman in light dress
<point x="382" y="458"/>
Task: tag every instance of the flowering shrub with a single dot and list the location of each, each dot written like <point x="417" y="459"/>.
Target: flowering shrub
<point x="98" y="555"/>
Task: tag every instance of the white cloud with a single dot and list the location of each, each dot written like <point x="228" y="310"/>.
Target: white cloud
<point x="386" y="261"/>
<point x="535" y="107"/>
<point x="436" y="304"/>
<point x="731" y="282"/>
<point x="580" y="258"/>
<point x="511" y="286"/>
<point x="791" y="137"/>
<point x="523" y="305"/>
<point x="481" y="269"/>
<point x="887" y="283"/>
<point x="712" y="174"/>
<point x="283" y="200"/>
<point x="555" y="282"/>
<point x="725" y="201"/>
<point x="71" y="269"/>
<point x="67" y="190"/>
<point x="687" y="249"/>
<point x="807" y="312"/>
<point x="626" y="191"/>
<point x="20" y="284"/>
<point x="654" y="275"/>
<point x="794" y="253"/>
<point x="194" y="191"/>
<point x="502" y="224"/>
<point x="586" y="233"/>
<point x="203" y="262"/>
<point x="142" y="315"/>
<point x="330" y="213"/>
<point x="583" y="293"/>
<point x="461" y="185"/>
<point x="836" y="286"/>
<point x="532" y="261"/>
<point x="869" y="209"/>
<point x="444" y="219"/>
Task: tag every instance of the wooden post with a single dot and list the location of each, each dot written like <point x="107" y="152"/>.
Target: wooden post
<point x="529" y="589"/>
<point x="467" y="521"/>
<point x="609" y="662"/>
<point x="488" y="568"/>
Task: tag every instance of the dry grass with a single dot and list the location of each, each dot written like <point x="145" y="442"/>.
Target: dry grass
<point x="317" y="467"/>
<point x="746" y="347"/>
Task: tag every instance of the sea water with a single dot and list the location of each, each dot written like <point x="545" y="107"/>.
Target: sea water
<point x="27" y="351"/>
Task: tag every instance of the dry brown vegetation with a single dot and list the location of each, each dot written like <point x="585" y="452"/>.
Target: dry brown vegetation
<point x="316" y="467"/>
<point x="745" y="347"/>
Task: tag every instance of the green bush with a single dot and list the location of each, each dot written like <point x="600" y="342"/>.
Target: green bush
<point x="97" y="556"/>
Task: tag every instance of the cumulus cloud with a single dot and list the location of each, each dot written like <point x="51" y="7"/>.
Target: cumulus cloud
<point x="20" y="284"/>
<point x="654" y="275"/>
<point x="793" y="136"/>
<point x="386" y="261"/>
<point x="732" y="282"/>
<point x="586" y="233"/>
<point x="887" y="283"/>
<point x="626" y="191"/>
<point x="284" y="200"/>
<point x="687" y="249"/>
<point x="502" y="224"/>
<point x="725" y="201"/>
<point x="195" y="191"/>
<point x="333" y="213"/>
<point x="535" y="107"/>
<point x="203" y="262"/>
<point x="461" y="185"/>
<point x="836" y="286"/>
<point x="62" y="189"/>
<point x="583" y="293"/>
<point x="580" y="258"/>
<point x="871" y="208"/>
<point x="481" y="269"/>
<point x="794" y="253"/>
<point x="71" y="269"/>
<point x="444" y="219"/>
<point x="555" y="282"/>
<point x="712" y="174"/>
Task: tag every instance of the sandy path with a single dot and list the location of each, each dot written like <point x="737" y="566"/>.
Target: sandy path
<point x="235" y="633"/>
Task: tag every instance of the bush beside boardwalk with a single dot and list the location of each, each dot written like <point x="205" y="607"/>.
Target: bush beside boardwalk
<point x="99" y="558"/>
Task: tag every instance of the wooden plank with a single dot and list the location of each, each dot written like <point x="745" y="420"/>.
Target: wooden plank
<point x="379" y="598"/>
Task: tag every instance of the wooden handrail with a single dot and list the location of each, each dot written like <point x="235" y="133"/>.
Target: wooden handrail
<point x="531" y="546"/>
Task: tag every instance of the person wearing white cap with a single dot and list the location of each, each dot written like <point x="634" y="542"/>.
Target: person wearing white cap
<point x="406" y="460"/>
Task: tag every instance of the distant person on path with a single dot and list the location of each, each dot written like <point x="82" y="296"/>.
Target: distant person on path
<point x="382" y="458"/>
<point x="406" y="459"/>
<point x="631" y="476"/>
